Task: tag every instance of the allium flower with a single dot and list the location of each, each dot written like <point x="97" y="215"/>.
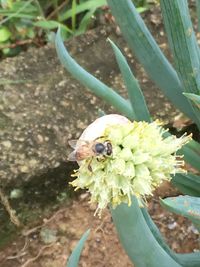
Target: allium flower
<point x="141" y="160"/>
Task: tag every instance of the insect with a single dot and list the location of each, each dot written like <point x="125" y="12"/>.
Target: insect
<point x="89" y="149"/>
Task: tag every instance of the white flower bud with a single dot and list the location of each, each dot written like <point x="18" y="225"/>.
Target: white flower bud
<point x="141" y="158"/>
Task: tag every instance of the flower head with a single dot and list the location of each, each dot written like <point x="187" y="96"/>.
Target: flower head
<point x="141" y="160"/>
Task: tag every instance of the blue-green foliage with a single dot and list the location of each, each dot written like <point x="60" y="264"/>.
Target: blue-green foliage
<point x="74" y="257"/>
<point x="140" y="237"/>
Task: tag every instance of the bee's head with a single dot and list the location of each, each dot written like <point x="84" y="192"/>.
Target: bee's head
<point x="99" y="148"/>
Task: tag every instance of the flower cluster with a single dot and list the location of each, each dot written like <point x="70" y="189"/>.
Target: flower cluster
<point x="141" y="159"/>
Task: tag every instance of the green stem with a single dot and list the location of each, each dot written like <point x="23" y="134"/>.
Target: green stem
<point x="137" y="239"/>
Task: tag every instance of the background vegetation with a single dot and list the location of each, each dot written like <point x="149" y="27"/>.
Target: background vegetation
<point x="34" y="21"/>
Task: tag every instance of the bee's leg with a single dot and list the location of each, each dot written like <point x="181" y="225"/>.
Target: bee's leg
<point x="102" y="158"/>
<point x="89" y="165"/>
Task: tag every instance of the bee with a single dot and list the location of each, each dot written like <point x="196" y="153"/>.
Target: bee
<point x="89" y="149"/>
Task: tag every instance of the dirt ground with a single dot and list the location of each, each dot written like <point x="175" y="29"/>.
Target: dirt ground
<point x="48" y="240"/>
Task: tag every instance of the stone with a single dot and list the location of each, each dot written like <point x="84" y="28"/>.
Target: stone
<point x="42" y="106"/>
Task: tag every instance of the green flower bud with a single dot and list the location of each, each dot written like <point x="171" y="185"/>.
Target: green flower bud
<point x="129" y="170"/>
<point x="140" y="157"/>
<point x="126" y="154"/>
<point x="118" y="166"/>
<point x="140" y="160"/>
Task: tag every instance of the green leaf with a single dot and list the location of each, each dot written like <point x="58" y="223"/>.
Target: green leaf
<point x="188" y="184"/>
<point x="149" y="54"/>
<point x="84" y="22"/>
<point x="89" y="81"/>
<point x="194" y="98"/>
<point x="185" y="260"/>
<point x="184" y="46"/>
<point x="191" y="153"/>
<point x="141" y="9"/>
<point x="134" y="92"/>
<point x="24" y="5"/>
<point x="189" y="259"/>
<point x="50" y="24"/>
<point x="14" y="15"/>
<point x="74" y="257"/>
<point x="47" y="24"/>
<point x="73" y="16"/>
<point x="156" y="233"/>
<point x="31" y="33"/>
<point x="198" y="13"/>
<point x="4" y="34"/>
<point x="19" y="12"/>
<point x="85" y="6"/>
<point x="186" y="206"/>
<point x="182" y="42"/>
<point x="6" y="3"/>
<point x="137" y="239"/>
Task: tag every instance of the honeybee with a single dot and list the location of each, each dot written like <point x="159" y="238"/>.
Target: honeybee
<point x="89" y="149"/>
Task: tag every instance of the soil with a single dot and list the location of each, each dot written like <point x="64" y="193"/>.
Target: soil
<point x="49" y="241"/>
<point x="42" y="106"/>
<point x="56" y="221"/>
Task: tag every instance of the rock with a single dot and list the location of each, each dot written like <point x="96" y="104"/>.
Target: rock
<point x="42" y="106"/>
<point x="16" y="193"/>
<point x="7" y="144"/>
<point x="48" y="235"/>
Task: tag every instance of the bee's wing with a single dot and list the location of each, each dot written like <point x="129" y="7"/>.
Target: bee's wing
<point x="77" y="142"/>
<point x="72" y="156"/>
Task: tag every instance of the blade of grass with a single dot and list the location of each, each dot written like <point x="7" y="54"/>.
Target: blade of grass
<point x="51" y="24"/>
<point x="85" y="22"/>
<point x="40" y="10"/>
<point x="10" y="15"/>
<point x="17" y="13"/>
<point x="6" y="81"/>
<point x="88" y="5"/>
<point x="73" y="15"/>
